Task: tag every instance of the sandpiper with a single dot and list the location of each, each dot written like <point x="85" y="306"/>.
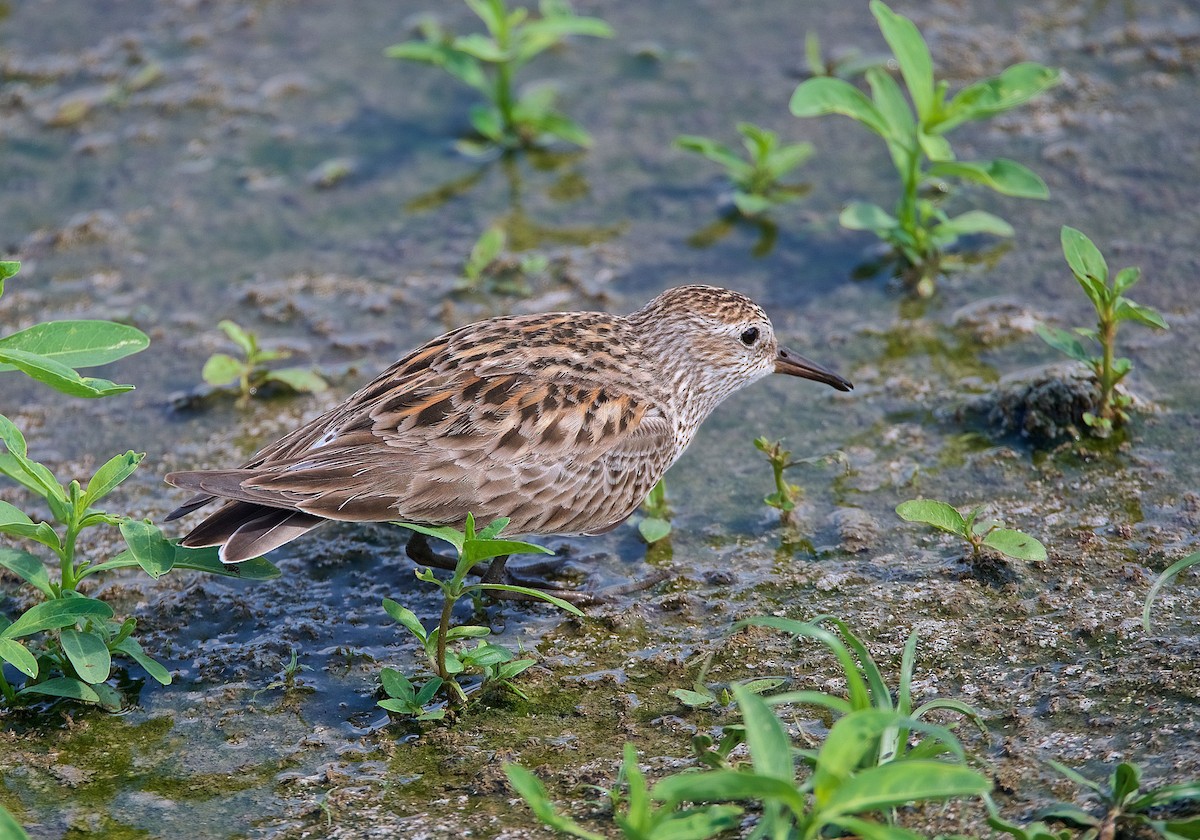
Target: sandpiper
<point x="561" y="421"/>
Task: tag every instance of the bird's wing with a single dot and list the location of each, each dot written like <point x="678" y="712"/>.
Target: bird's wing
<point x="442" y="433"/>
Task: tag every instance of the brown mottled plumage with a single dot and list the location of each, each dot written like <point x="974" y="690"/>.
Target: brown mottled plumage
<point x="561" y="421"/>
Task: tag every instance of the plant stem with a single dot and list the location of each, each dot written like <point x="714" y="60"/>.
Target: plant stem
<point x="443" y="631"/>
<point x="9" y="695"/>
<point x="1108" y="340"/>
<point x="908" y="201"/>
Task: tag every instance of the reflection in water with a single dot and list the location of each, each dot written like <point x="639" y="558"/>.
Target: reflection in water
<point x="709" y="235"/>
<point x="522" y="231"/>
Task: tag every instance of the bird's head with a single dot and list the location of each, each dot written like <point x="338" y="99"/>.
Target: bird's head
<point x="725" y="339"/>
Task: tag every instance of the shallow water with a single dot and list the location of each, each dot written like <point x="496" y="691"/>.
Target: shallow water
<point x="187" y="201"/>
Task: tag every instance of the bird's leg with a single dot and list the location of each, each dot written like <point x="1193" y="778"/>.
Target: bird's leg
<point x="420" y="552"/>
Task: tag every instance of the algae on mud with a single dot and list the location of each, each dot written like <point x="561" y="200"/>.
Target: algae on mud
<point x="184" y="202"/>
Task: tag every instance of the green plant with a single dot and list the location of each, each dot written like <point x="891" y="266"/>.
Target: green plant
<point x="251" y="372"/>
<point x="1036" y="830"/>
<point x="656" y="524"/>
<point x="867" y="689"/>
<point x="1112" y="307"/>
<point x="497" y="663"/>
<point x="635" y="812"/>
<point x="70" y="634"/>
<point x="51" y="351"/>
<point x="403" y="696"/>
<point x="1125" y="807"/>
<point x="488" y="268"/>
<point x="1175" y="568"/>
<point x="844" y="67"/>
<point x="10" y="829"/>
<point x="489" y="62"/>
<point x="979" y="535"/>
<point x="920" y="230"/>
<point x="785" y="495"/>
<point x="287" y="679"/>
<point x="700" y="695"/>
<point x="842" y="786"/>
<point x="757" y="179"/>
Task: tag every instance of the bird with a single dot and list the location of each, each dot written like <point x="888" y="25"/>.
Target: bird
<point x="561" y="422"/>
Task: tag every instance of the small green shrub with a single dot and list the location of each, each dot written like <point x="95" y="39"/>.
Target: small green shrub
<point x="758" y="177"/>
<point x="64" y="645"/>
<point x="250" y="373"/>
<point x="1112" y="307"/>
<point x="496" y="664"/>
<point x="786" y="494"/>
<point x="919" y="230"/>
<point x="490" y="269"/>
<point x="978" y="535"/>
<point x="489" y="63"/>
<point x="1125" y="808"/>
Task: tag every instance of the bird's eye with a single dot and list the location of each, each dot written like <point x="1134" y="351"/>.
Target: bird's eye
<point x="750" y="336"/>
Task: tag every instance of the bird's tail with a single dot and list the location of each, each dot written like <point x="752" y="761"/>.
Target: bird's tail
<point x="245" y="530"/>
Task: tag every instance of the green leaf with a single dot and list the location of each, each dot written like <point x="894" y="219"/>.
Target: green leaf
<point x="247" y="342"/>
<point x="477" y="550"/>
<point x="153" y="552"/>
<point x="398" y="686"/>
<point x="131" y="648"/>
<point x="1126" y="278"/>
<point x="1084" y="257"/>
<point x="302" y="379"/>
<point x="207" y="560"/>
<point x="8" y="268"/>
<point x="1127" y="310"/>
<point x="489" y="246"/>
<point x="405" y="617"/>
<point x="751" y="205"/>
<point x="972" y="222"/>
<point x="13" y="521"/>
<point x="868" y="830"/>
<point x="486" y="655"/>
<point x="112" y="473"/>
<point x="653" y="529"/>
<point x="860" y="215"/>
<point x="1014" y="86"/>
<point x="57" y="375"/>
<point x="912" y="54"/>
<point x="77" y="344"/>
<point x="770" y="748"/>
<point x="1016" y="544"/>
<point x="88" y="654"/>
<point x="693" y="699"/>
<point x="51" y="615"/>
<point x="561" y="26"/>
<point x="566" y="606"/>
<point x="1064" y="342"/>
<point x="427" y="692"/>
<point x="1125" y="781"/>
<point x="726" y="785"/>
<point x="469" y="631"/>
<point x="222" y="369"/>
<point x="1162" y="580"/>
<point x="938" y="514"/>
<point x="534" y="793"/>
<point x="1004" y="176"/>
<point x="68" y="687"/>
<point x="15" y="654"/>
<point x="811" y="698"/>
<point x="481" y="47"/>
<point x="28" y="567"/>
<point x="826" y="95"/>
<point x="441" y="532"/>
<point x="892" y="104"/>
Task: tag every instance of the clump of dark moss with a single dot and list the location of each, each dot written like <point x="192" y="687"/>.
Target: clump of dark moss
<point x="1044" y="406"/>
